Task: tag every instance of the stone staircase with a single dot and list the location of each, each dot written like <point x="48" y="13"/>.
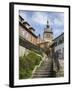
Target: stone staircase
<point x="44" y="70"/>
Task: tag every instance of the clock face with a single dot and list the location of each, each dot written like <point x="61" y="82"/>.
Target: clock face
<point x="46" y="35"/>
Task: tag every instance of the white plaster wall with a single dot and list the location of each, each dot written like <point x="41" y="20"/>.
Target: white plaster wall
<point x="59" y="47"/>
<point x="21" y="50"/>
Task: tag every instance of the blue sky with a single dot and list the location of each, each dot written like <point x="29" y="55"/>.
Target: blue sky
<point x="38" y="20"/>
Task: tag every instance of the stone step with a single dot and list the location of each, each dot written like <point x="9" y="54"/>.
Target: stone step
<point x="45" y="65"/>
<point x="45" y="70"/>
<point x="49" y="74"/>
<point x="45" y="62"/>
<point x="42" y="73"/>
<point x="41" y="76"/>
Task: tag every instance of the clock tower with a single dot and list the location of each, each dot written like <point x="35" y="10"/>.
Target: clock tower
<point x="48" y="34"/>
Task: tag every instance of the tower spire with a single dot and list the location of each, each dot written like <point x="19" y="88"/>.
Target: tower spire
<point x="47" y="24"/>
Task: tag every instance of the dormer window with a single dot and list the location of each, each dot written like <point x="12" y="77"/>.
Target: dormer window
<point x="26" y="24"/>
<point x="31" y="29"/>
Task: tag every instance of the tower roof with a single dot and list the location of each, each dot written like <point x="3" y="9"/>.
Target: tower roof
<point x="47" y="29"/>
<point x="47" y="24"/>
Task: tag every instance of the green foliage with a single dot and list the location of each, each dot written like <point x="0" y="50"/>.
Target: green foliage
<point x="38" y="52"/>
<point x="27" y="64"/>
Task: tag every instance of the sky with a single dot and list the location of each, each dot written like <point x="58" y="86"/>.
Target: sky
<point x="38" y="20"/>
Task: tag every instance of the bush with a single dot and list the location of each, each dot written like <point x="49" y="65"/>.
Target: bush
<point x="27" y="64"/>
<point x="38" y="52"/>
<point x="34" y="58"/>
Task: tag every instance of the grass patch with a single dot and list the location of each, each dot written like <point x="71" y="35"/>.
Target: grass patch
<point x="27" y="64"/>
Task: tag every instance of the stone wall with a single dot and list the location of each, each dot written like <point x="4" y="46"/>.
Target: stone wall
<point x="60" y="71"/>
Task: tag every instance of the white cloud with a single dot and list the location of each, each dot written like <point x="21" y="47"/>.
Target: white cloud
<point x="40" y="17"/>
<point x="58" y="21"/>
<point x="57" y="32"/>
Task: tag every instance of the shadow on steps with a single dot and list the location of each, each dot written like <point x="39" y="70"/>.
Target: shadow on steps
<point x="52" y="74"/>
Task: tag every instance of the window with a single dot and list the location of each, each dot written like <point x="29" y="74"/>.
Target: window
<point x="55" y="43"/>
<point x="26" y="35"/>
<point x="60" y="41"/>
<point x="62" y="53"/>
<point x="59" y="54"/>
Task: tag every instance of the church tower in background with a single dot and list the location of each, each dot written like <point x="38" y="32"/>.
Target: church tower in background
<point x="48" y="34"/>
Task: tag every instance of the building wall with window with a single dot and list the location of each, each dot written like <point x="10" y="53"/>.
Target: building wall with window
<point x="60" y="50"/>
<point x="59" y="46"/>
<point x="27" y="35"/>
<point x="26" y="32"/>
